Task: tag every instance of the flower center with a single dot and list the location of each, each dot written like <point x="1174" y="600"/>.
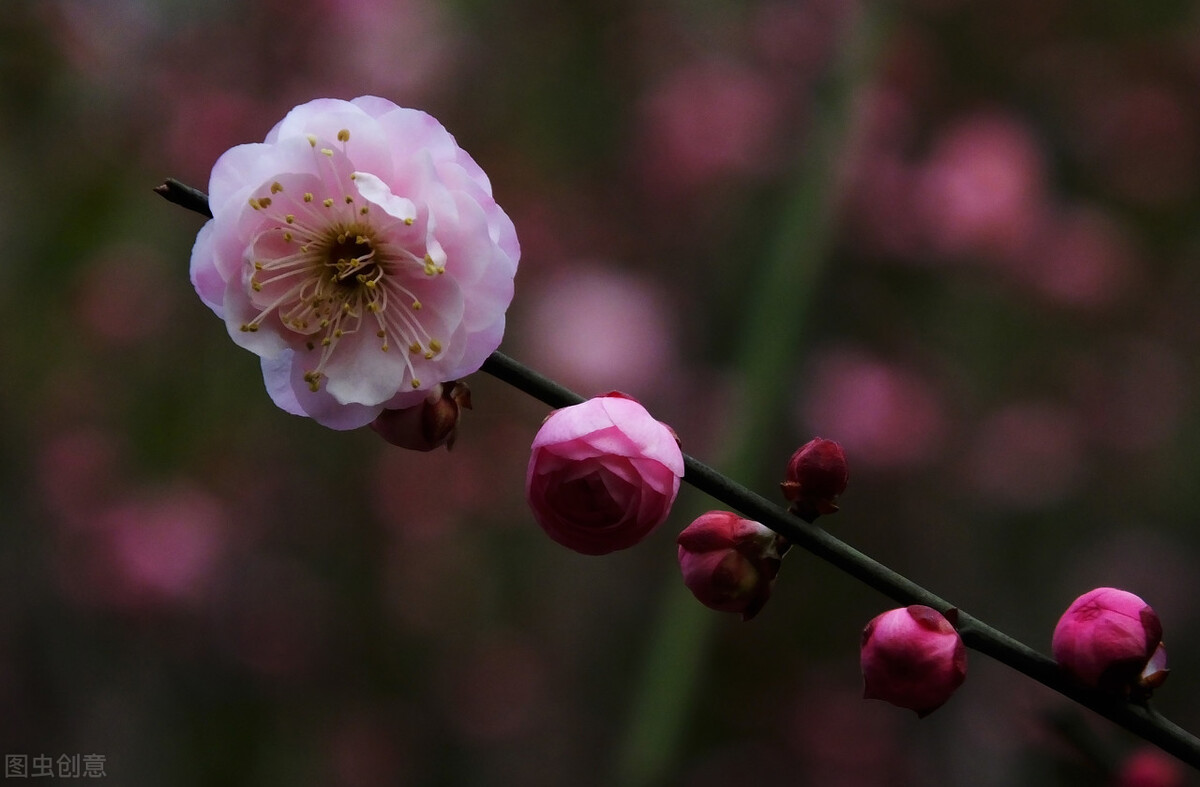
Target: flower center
<point x="324" y="271"/>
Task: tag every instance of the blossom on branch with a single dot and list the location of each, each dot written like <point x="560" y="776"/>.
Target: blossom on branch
<point x="359" y="252"/>
<point x="1112" y="640"/>
<point x="816" y="475"/>
<point x="430" y="424"/>
<point x="729" y="563"/>
<point x="913" y="658"/>
<point x="602" y="474"/>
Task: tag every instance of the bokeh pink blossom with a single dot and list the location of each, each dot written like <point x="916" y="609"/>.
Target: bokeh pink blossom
<point x="1000" y="332"/>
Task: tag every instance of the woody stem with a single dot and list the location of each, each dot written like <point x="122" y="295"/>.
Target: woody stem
<point x="977" y="635"/>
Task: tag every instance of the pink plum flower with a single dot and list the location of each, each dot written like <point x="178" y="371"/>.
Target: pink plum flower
<point x="729" y="563"/>
<point x="913" y="658"/>
<point x="602" y="474"/>
<point x="360" y="253"/>
<point x="1112" y="640"/>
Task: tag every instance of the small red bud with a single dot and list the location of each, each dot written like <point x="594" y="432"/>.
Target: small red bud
<point x="430" y="424"/>
<point x="729" y="563"/>
<point x="816" y="476"/>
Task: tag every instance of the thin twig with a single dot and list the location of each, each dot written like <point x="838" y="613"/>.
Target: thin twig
<point x="193" y="199"/>
<point x="977" y="635"/>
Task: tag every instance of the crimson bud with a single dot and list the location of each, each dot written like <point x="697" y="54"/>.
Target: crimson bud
<point x="430" y="424"/>
<point x="816" y="476"/>
<point x="729" y="563"/>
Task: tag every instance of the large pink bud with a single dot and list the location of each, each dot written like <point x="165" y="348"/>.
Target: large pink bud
<point x="602" y="474"/>
<point x="1110" y="639"/>
<point x="913" y="658"/>
<point x="729" y="563"/>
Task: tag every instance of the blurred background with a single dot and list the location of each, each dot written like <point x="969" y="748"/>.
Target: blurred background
<point x="973" y="225"/>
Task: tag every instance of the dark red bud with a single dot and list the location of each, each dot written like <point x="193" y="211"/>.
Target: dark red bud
<point x="430" y="424"/>
<point x="816" y="476"/>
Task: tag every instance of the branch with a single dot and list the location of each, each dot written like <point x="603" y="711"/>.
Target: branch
<point x="193" y="199"/>
<point x="977" y="635"/>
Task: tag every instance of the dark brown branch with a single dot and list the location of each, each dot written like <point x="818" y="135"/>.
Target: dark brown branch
<point x="1138" y="719"/>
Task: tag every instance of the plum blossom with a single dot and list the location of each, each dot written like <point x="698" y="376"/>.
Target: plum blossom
<point x="913" y="658"/>
<point x="729" y="563"/>
<point x="816" y="475"/>
<point x="602" y="474"/>
<point x="359" y="252"/>
<point x="1112" y="640"/>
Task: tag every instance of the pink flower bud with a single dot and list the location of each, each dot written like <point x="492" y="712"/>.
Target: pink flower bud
<point x="430" y="424"/>
<point x="602" y="474"/>
<point x="1112" y="640"/>
<point x="1149" y="767"/>
<point x="816" y="476"/>
<point x="913" y="658"/>
<point x="729" y="563"/>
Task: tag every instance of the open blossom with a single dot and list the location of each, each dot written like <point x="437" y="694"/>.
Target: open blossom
<point x="1110" y="639"/>
<point x="913" y="658"/>
<point x="360" y="253"/>
<point x="602" y="474"/>
<point x="729" y="563"/>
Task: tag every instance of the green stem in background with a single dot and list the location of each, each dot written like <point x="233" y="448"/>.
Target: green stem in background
<point x="787" y="282"/>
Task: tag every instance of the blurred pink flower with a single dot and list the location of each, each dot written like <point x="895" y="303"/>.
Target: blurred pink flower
<point x="202" y="120"/>
<point x="1150" y="767"/>
<point x="154" y="550"/>
<point x="706" y="121"/>
<point x="883" y="414"/>
<point x="1111" y="639"/>
<point x="1078" y="257"/>
<point x="140" y="275"/>
<point x="77" y="474"/>
<point x="397" y="47"/>
<point x="602" y="474"/>
<point x="913" y="658"/>
<point x="1026" y="455"/>
<point x="359" y="252"/>
<point x="879" y="210"/>
<point x="168" y="547"/>
<point x="798" y="36"/>
<point x="596" y="328"/>
<point x="983" y="191"/>
<point x="729" y="563"/>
